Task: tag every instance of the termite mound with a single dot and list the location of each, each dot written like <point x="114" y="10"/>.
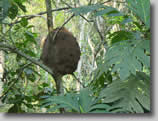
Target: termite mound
<point x="62" y="54"/>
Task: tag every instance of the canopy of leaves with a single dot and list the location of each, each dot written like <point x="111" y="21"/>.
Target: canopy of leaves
<point x="121" y="57"/>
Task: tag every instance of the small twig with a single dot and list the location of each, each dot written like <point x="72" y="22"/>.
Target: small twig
<point x="66" y="3"/>
<point x="96" y="26"/>
<point x="102" y="42"/>
<point x="121" y="1"/>
<point x="86" y="18"/>
<point x="79" y="14"/>
<point x="54" y="3"/>
<point x="62" y="27"/>
<point x="67" y="21"/>
<point x="106" y="1"/>
<point x="32" y="16"/>
<point x="78" y="80"/>
<point x="113" y="1"/>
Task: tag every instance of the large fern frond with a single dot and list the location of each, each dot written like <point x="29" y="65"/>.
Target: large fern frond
<point x="126" y="57"/>
<point x="130" y="95"/>
<point x="83" y="102"/>
<point x="142" y="9"/>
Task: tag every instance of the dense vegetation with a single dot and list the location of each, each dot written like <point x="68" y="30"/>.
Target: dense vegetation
<point x="114" y="69"/>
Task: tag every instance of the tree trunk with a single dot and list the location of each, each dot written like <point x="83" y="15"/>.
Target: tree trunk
<point x="81" y="38"/>
<point x="58" y="79"/>
<point x="49" y="15"/>
<point x="1" y="68"/>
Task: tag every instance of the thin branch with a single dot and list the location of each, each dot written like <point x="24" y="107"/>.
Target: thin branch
<point x="106" y="1"/>
<point x="112" y="1"/>
<point x="27" y="16"/>
<point x="78" y="80"/>
<point x="79" y="14"/>
<point x="102" y="42"/>
<point x="86" y="18"/>
<point x="96" y="26"/>
<point x="33" y="60"/>
<point x="36" y="15"/>
<point x="66" y="3"/>
<point x="62" y="26"/>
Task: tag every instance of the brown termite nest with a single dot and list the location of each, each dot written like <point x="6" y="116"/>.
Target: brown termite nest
<point x="61" y="55"/>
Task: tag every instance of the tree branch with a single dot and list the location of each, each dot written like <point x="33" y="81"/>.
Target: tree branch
<point x="38" y="14"/>
<point x="31" y="59"/>
<point x="79" y="14"/>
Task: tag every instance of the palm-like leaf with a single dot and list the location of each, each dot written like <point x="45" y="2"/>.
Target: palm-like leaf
<point x="142" y="9"/>
<point x="69" y="101"/>
<point x="130" y="95"/>
<point x="126" y="57"/>
<point x="81" y="103"/>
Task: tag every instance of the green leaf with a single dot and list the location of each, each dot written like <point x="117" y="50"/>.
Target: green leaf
<point x="126" y="57"/>
<point x="5" y="107"/>
<point x="30" y="37"/>
<point x="83" y="102"/>
<point x="99" y="106"/>
<point x="86" y="9"/>
<point x="99" y="111"/>
<point x="109" y="11"/>
<point x="139" y="52"/>
<point x="4" y="7"/>
<point x="13" y="109"/>
<point x="10" y="8"/>
<point x="13" y="11"/>
<point x="69" y="100"/>
<point x="28" y="71"/>
<point x="130" y="95"/>
<point x="126" y="19"/>
<point x="24" y="22"/>
<point x="142" y="9"/>
<point x="120" y="36"/>
<point x="21" y="6"/>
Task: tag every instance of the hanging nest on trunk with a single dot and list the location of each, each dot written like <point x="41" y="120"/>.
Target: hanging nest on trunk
<point x="62" y="54"/>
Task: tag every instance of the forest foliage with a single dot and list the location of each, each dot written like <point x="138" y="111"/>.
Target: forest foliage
<point x="115" y="57"/>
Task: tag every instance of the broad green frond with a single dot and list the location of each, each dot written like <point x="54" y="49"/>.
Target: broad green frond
<point x="131" y="95"/>
<point x="128" y="57"/>
<point x="142" y="9"/>
<point x="81" y="103"/>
